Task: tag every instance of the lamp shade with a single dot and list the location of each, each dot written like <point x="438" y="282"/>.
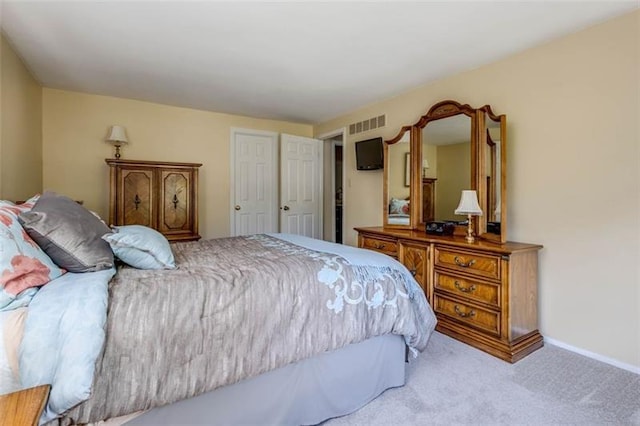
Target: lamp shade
<point x="425" y="163"/>
<point x="469" y="204"/>
<point x="117" y="135"/>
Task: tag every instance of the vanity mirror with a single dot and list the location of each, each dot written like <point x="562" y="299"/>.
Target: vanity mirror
<point x="493" y="128"/>
<point x="446" y="150"/>
<point x="397" y="181"/>
<point x="451" y="148"/>
<point x="445" y="138"/>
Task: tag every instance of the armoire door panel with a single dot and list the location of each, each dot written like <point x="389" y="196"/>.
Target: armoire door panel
<point x="174" y="213"/>
<point x="136" y="203"/>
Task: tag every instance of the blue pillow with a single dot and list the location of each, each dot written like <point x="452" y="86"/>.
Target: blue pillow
<point x="141" y="247"/>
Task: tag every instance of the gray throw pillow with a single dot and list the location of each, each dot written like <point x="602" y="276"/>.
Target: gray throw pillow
<point x="70" y="234"/>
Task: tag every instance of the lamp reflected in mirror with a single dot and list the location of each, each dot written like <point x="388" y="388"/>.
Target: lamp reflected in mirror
<point x="469" y="206"/>
<point x="425" y="167"/>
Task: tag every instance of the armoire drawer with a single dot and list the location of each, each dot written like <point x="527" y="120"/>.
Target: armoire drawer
<point x="480" y="264"/>
<point x="483" y="319"/>
<point x="378" y="244"/>
<point x="480" y="291"/>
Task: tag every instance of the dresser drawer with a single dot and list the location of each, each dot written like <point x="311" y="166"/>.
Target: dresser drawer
<point x="381" y="245"/>
<point x="483" y="265"/>
<point x="480" y="291"/>
<point x="482" y="319"/>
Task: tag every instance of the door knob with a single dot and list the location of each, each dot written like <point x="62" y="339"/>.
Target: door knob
<point x="237" y="207"/>
<point x="285" y="208"/>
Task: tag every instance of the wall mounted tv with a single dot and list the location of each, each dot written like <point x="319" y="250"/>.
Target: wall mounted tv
<point x="369" y="154"/>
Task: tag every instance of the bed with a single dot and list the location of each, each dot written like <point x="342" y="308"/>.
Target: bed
<point x="266" y="328"/>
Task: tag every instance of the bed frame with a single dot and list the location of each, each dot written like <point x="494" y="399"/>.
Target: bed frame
<point x="310" y="391"/>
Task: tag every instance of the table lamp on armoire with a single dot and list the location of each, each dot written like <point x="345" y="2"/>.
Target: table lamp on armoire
<point x="469" y="206"/>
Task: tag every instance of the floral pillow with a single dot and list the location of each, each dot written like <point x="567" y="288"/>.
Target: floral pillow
<point x="397" y="206"/>
<point x="23" y="264"/>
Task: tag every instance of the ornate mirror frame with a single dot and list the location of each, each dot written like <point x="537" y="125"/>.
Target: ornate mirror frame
<point x="485" y="165"/>
<point x="439" y="111"/>
<point x="492" y="195"/>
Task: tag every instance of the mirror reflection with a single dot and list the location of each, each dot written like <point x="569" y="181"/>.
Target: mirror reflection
<point x="398" y="167"/>
<point x="446" y="166"/>
<point x="451" y="148"/>
<point x="492" y="152"/>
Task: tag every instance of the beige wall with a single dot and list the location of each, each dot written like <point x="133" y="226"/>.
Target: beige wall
<point x="20" y="128"/>
<point x="573" y="174"/>
<point x="76" y="124"/>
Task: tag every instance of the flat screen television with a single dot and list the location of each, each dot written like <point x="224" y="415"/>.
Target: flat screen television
<point x="369" y="154"/>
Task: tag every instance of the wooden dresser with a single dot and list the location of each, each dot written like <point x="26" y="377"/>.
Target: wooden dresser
<point x="160" y="195"/>
<point x="483" y="294"/>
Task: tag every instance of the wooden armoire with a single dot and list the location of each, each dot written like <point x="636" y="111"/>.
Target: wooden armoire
<point x="160" y="195"/>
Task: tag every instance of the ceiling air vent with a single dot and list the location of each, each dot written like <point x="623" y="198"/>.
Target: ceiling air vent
<point x="368" y="124"/>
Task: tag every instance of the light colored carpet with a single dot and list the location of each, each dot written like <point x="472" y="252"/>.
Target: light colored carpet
<point x="454" y="384"/>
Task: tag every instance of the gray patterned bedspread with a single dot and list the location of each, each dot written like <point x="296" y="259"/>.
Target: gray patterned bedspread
<point x="235" y="308"/>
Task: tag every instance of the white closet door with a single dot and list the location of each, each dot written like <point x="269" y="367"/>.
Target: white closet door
<point x="301" y="186"/>
<point x="254" y="182"/>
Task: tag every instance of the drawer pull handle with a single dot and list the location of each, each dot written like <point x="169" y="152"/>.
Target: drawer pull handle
<point x="379" y="246"/>
<point x="137" y="201"/>
<point x="175" y="201"/>
<point x="465" y="289"/>
<point x="469" y="314"/>
<point x="463" y="264"/>
<point x="413" y="271"/>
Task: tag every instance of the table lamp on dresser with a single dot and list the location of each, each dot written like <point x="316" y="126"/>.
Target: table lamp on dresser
<point x="469" y="206"/>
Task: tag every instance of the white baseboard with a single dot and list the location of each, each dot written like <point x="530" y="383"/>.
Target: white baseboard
<point x="593" y="355"/>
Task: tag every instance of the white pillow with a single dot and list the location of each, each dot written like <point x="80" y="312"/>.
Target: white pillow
<point x="141" y="247"/>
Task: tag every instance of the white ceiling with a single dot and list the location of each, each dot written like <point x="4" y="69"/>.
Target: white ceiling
<point x="301" y="61"/>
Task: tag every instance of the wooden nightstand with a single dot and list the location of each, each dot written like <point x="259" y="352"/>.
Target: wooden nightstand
<point x="23" y="408"/>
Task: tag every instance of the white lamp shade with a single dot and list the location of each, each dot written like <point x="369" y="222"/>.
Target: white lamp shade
<point x="425" y="163"/>
<point x="117" y="135"/>
<point x="469" y="204"/>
